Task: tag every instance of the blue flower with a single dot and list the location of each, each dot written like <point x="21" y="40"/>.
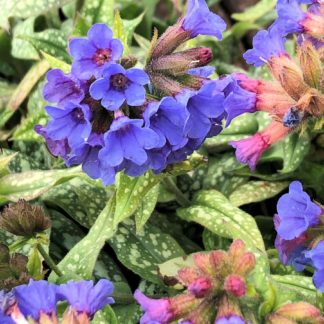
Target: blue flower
<point x="316" y="255"/>
<point x="266" y="44"/>
<point x="156" y="310"/>
<point x="119" y="85"/>
<point x="36" y="298"/>
<point x="237" y="100"/>
<point x="56" y="147"/>
<point x="167" y="118"/>
<point x="232" y="319"/>
<point x="62" y="88"/>
<point x="127" y="140"/>
<point x="199" y="20"/>
<point x="296" y="212"/>
<point x="71" y="122"/>
<point x="290" y="17"/>
<point x="203" y="71"/>
<point x="85" y="297"/>
<point x="203" y="106"/>
<point x="93" y="54"/>
<point x="293" y="117"/>
<point x="7" y="302"/>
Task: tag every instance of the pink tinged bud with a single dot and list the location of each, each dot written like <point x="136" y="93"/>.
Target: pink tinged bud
<point x="278" y="319"/>
<point x="182" y="305"/>
<point x="249" y="150"/>
<point x="200" y="287"/>
<point x="167" y="85"/>
<point x="179" y="62"/>
<point x="203" y="314"/>
<point x="219" y="260"/>
<point x="235" y="285"/>
<point x="314" y="24"/>
<point x="172" y="38"/>
<point x="300" y="311"/>
<point x="236" y="250"/>
<point x="186" y="276"/>
<point x="203" y="262"/>
<point x="245" y="264"/>
<point x="228" y="307"/>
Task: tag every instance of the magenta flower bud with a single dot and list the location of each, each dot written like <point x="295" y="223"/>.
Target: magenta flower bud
<point x="200" y="287"/>
<point x="235" y="285"/>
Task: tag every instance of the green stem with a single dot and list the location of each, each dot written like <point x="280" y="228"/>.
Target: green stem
<point x="180" y="197"/>
<point x="49" y="261"/>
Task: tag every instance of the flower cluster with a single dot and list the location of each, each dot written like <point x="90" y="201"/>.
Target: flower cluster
<point x="299" y="225"/>
<point x="298" y="90"/>
<point x="36" y="301"/>
<point x="111" y="117"/>
<point x="215" y="286"/>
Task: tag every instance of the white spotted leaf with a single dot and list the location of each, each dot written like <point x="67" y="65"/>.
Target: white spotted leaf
<point x="101" y="11"/>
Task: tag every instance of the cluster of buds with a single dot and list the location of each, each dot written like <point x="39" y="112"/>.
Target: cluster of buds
<point x="215" y="287"/>
<point x="36" y="302"/>
<point x="299" y="223"/>
<point x="298" y="90"/>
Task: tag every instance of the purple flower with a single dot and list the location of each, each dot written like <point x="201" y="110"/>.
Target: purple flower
<point x="93" y="54"/>
<point x="71" y="122"/>
<point x="36" y="298"/>
<point x="232" y="319"/>
<point x="62" y="88"/>
<point x="85" y="297"/>
<point x="266" y="44"/>
<point x="167" y="118"/>
<point x="290" y="17"/>
<point x="296" y="212"/>
<point x="316" y="255"/>
<point x="56" y="147"/>
<point x="127" y="140"/>
<point x="204" y="106"/>
<point x="156" y="310"/>
<point x="119" y="85"/>
<point x="237" y="100"/>
<point x="203" y="71"/>
<point x="293" y="117"/>
<point x="4" y="319"/>
<point x="199" y="20"/>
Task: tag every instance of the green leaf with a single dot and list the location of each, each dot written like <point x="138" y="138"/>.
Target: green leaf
<point x="101" y="11"/>
<point x="82" y="258"/>
<point x="107" y="315"/>
<point x="255" y="191"/>
<point x="144" y="251"/>
<point x="56" y="63"/>
<point x="27" y="8"/>
<point x="31" y="184"/>
<point x="4" y="164"/>
<point x="34" y="264"/>
<point x="240" y="29"/>
<point x="214" y="211"/>
<point x="128" y="314"/>
<point x="295" y="147"/>
<point x="130" y="192"/>
<point x="146" y="207"/>
<point x="255" y="12"/>
<point x="50" y="41"/>
<point x="20" y="48"/>
<point x="22" y="90"/>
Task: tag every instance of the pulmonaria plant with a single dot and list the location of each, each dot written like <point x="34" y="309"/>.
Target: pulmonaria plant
<point x="299" y="223"/>
<point x="36" y="302"/>
<point x="215" y="288"/>
<point x="297" y="93"/>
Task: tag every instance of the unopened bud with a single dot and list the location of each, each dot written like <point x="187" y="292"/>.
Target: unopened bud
<point x="245" y="264"/>
<point x="202" y="261"/>
<point x="192" y="81"/>
<point x="24" y="219"/>
<point x="167" y="85"/>
<point x="314" y="23"/>
<point x="200" y="287"/>
<point x="187" y="275"/>
<point x="310" y="64"/>
<point x="218" y="260"/>
<point x="183" y="304"/>
<point x="300" y="311"/>
<point x="290" y="76"/>
<point x="172" y="38"/>
<point x="180" y="62"/>
<point x="278" y="319"/>
<point x="236" y="250"/>
<point x="204" y="313"/>
<point x="235" y="285"/>
<point x="227" y="308"/>
<point x="128" y="61"/>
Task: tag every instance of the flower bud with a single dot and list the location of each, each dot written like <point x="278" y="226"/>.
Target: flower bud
<point x="192" y="81"/>
<point x="180" y="62"/>
<point x="24" y="219"/>
<point x="71" y="316"/>
<point x="228" y="307"/>
<point x="200" y="287"/>
<point x="128" y="61"/>
<point x="164" y="84"/>
<point x="310" y="64"/>
<point x="278" y="319"/>
<point x="289" y="75"/>
<point x="245" y="264"/>
<point x="204" y="313"/>
<point x="314" y="23"/>
<point x="237" y="249"/>
<point x="300" y="311"/>
<point x="187" y="275"/>
<point x="235" y="285"/>
<point x="202" y="261"/>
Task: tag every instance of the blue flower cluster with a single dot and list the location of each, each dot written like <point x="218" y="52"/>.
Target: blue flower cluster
<point x="298" y="224"/>
<point x="37" y="301"/>
<point x="110" y="118"/>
